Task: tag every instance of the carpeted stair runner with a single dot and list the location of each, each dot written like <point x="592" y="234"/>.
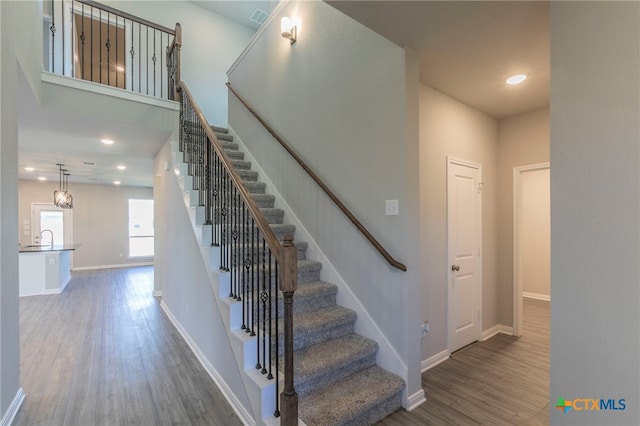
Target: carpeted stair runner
<point x="336" y="376"/>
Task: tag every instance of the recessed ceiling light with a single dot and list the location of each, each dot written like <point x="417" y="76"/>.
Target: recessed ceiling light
<point x="107" y="141"/>
<point x="121" y="167"/>
<point x="116" y="182"/>
<point x="42" y="178"/>
<point x="29" y="169"/>
<point x="516" y="79"/>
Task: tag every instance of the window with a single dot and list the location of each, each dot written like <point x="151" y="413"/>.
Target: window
<point x="140" y="228"/>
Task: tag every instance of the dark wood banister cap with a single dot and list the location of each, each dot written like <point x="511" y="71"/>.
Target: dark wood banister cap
<point x="265" y="229"/>
<point x="393" y="262"/>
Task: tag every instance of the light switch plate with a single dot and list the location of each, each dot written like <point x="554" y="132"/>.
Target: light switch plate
<point x="392" y="207"/>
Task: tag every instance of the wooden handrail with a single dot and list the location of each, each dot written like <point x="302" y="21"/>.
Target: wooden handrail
<point x="261" y="222"/>
<point x="393" y="262"/>
<point x="126" y="15"/>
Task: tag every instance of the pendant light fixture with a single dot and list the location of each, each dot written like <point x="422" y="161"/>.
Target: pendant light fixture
<point x="62" y="198"/>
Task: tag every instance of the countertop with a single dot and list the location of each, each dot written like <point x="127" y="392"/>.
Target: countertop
<point x="47" y="247"/>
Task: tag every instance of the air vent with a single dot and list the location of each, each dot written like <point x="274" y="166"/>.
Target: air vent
<point x="259" y="16"/>
<point x="88" y="163"/>
<point x="92" y="179"/>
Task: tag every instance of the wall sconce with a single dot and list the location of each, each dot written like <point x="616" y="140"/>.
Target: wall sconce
<point x="289" y="29"/>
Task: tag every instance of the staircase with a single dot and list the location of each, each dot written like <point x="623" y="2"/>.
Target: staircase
<point x="336" y="376"/>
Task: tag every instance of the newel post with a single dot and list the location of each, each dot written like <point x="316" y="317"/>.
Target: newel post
<point x="288" y="286"/>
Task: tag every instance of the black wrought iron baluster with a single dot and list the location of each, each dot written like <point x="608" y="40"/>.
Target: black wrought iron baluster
<point x="276" y="346"/>
<point x="132" y="51"/>
<point x="271" y="302"/>
<point x="52" y="28"/>
<point x="256" y="307"/>
<point x="245" y="270"/>
<point x="74" y="54"/>
<point x="264" y="298"/>
<point x="147" y="52"/>
<point x="63" y="43"/>
<point x="108" y="46"/>
<point x="139" y="58"/>
<point x="208" y="189"/>
<point x="154" y="62"/>
<point x="100" y="42"/>
<point x="82" y="39"/>
<point x="234" y="243"/>
<point x="253" y="275"/>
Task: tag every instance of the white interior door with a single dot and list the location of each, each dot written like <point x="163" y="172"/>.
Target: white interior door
<point x="464" y="245"/>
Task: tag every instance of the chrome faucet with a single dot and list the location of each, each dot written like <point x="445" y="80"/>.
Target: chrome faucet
<point x="46" y="230"/>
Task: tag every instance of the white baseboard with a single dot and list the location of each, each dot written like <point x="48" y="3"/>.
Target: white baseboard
<point x="119" y="265"/>
<point x="13" y="409"/>
<point x="434" y="360"/>
<point x="415" y="400"/>
<point x="537" y="296"/>
<point x="242" y="413"/>
<point x="157" y="293"/>
<point x="498" y="328"/>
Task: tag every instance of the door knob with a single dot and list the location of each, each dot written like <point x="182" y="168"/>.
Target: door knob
<point x="455" y="268"/>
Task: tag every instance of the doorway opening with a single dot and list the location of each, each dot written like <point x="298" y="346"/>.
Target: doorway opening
<point x="531" y="238"/>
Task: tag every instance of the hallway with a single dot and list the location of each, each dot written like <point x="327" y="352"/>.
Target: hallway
<point x="501" y="381"/>
<point x="103" y="353"/>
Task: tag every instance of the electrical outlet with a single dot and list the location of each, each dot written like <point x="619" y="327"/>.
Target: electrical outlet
<point x="392" y="207"/>
<point x="425" y="328"/>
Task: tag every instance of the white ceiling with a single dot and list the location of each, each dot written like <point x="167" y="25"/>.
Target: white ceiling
<point x="467" y="49"/>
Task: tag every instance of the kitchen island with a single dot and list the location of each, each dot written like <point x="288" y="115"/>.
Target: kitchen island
<point x="44" y="269"/>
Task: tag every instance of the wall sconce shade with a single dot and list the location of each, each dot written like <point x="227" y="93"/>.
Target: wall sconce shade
<point x="288" y="29"/>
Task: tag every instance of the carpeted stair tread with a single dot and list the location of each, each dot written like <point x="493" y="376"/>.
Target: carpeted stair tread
<point x="264" y="200"/>
<point x="360" y="399"/>
<point x="273" y="215"/>
<point x="229" y="146"/>
<point x="218" y="129"/>
<point x="241" y="164"/>
<point x="234" y="155"/>
<point x="248" y="175"/>
<point x="311" y="328"/>
<point x="224" y="137"/>
<point x="312" y="296"/>
<point x="255" y="187"/>
<point x="321" y="365"/>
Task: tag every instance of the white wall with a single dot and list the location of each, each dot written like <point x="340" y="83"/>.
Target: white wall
<point x="343" y="97"/>
<point x="535" y="246"/>
<point x="185" y="286"/>
<point x="210" y="44"/>
<point x="450" y="128"/>
<point x="522" y="140"/>
<point x="100" y="220"/>
<point x="595" y="214"/>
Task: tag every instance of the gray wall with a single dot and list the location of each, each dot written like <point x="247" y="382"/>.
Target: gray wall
<point x="345" y="99"/>
<point x="595" y="242"/>
<point x="100" y="220"/>
<point x="19" y="24"/>
<point x="450" y="128"/>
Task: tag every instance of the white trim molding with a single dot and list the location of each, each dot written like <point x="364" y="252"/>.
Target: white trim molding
<point x="416" y="400"/>
<point x="537" y="296"/>
<point x="226" y="391"/>
<point x="498" y="328"/>
<point x="517" y="211"/>
<point x="120" y="265"/>
<point x="157" y="293"/>
<point x="434" y="360"/>
<point x="13" y="409"/>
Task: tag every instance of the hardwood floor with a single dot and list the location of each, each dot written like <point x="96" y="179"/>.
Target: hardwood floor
<point x="501" y="381"/>
<point x="103" y="353"/>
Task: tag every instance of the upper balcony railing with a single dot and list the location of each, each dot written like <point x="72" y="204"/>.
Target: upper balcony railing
<point x="94" y="42"/>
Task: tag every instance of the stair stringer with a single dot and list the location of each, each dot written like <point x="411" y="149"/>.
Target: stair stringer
<point x="260" y="391"/>
<point x="387" y="357"/>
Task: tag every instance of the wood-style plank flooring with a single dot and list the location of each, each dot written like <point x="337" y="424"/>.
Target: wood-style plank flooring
<point x="103" y="353"/>
<point x="501" y="381"/>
